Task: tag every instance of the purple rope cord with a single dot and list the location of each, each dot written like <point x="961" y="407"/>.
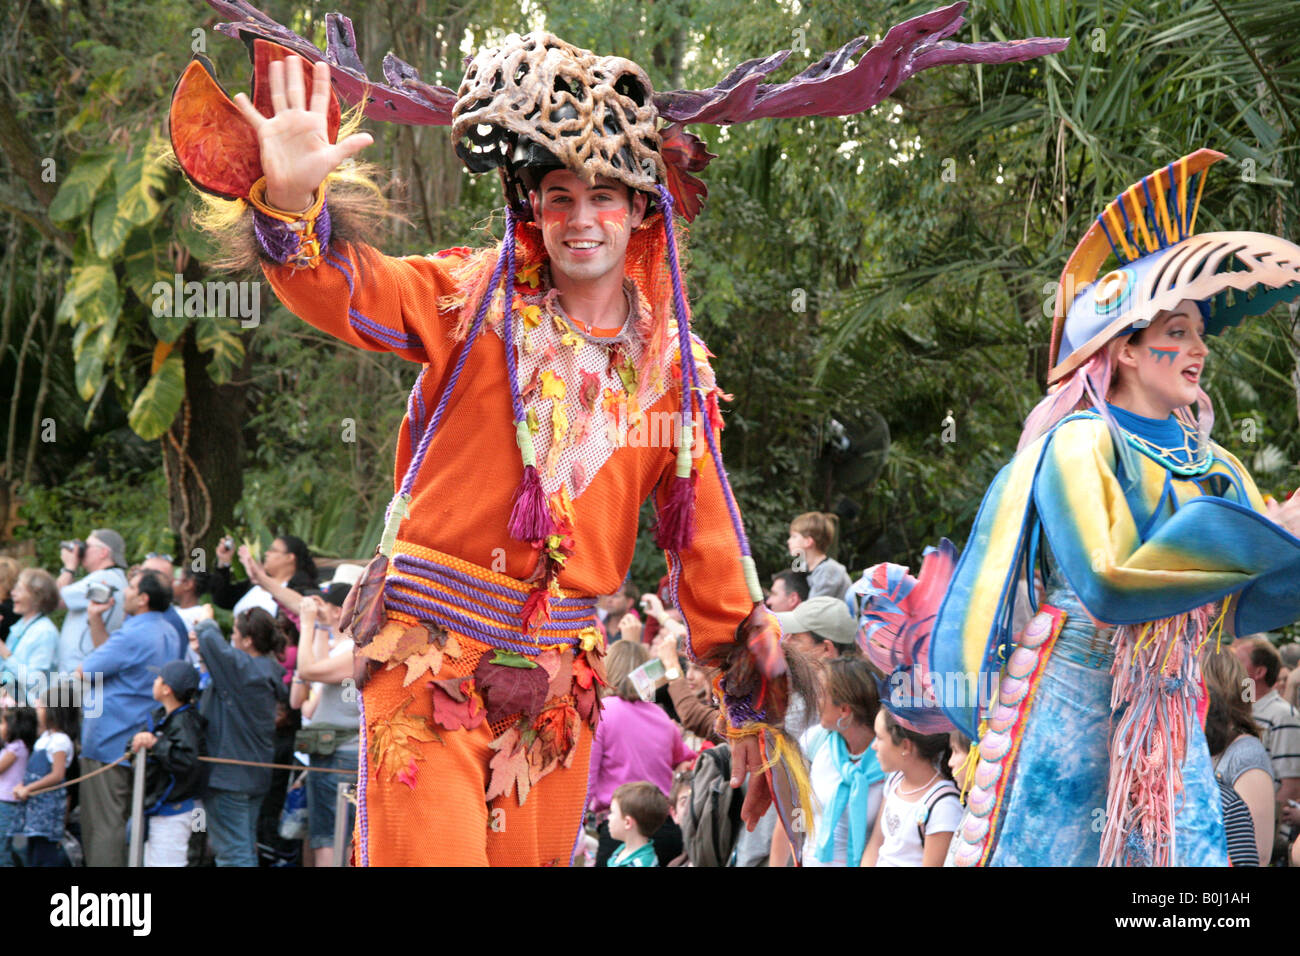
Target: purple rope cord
<point x="472" y="628"/>
<point x="516" y="403"/>
<point x="363" y="772"/>
<point x="507" y="249"/>
<point x="417" y="565"/>
<point x="281" y="243"/>
<point x="739" y="711"/>
<point x="727" y="494"/>
<point x="679" y="306"/>
<point x="416" y="414"/>
<point x="465" y="603"/>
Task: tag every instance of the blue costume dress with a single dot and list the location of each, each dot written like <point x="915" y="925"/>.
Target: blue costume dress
<point x="1072" y="769"/>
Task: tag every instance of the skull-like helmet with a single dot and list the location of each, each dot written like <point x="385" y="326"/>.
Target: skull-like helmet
<point x="537" y="102"/>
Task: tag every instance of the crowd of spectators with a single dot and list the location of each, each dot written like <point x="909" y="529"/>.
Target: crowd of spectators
<point x="140" y="663"/>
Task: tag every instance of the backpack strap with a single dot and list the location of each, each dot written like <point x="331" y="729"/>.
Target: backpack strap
<point x="931" y="802"/>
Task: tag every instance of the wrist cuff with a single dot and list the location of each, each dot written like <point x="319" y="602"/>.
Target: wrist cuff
<point x="293" y="239"/>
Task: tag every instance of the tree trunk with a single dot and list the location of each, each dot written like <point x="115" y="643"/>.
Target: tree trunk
<point x="203" y="456"/>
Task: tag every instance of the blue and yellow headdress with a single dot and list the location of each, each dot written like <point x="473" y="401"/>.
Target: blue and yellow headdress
<point x="1150" y="228"/>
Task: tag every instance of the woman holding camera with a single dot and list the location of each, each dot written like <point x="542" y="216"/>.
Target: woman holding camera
<point x="635" y="741"/>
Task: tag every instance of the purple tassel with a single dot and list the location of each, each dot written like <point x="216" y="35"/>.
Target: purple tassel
<point x="530" y="519"/>
<point x="677" y="518"/>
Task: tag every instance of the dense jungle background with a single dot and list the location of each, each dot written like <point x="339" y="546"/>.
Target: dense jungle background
<point x="877" y="290"/>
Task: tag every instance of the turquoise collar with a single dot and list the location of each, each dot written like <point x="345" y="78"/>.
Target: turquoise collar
<point x="1166" y="441"/>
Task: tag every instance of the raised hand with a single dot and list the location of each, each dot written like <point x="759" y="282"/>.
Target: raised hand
<point x="1286" y="514"/>
<point x="296" y="152"/>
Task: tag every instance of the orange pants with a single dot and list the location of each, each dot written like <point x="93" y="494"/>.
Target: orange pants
<point x="444" y="820"/>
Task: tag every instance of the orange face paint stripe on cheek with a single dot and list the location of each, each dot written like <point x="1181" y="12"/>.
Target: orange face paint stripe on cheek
<point x="613" y="221"/>
<point x="551" y="219"/>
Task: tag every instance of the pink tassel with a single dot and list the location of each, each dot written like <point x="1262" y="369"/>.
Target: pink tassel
<point x="677" y="519"/>
<point x="530" y="519"/>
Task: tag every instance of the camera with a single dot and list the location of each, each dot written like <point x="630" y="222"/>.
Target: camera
<point x="99" y="592"/>
<point x="76" y="545"/>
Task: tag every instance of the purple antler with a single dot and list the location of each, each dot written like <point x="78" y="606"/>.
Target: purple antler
<point x="405" y="99"/>
<point x="833" y="86"/>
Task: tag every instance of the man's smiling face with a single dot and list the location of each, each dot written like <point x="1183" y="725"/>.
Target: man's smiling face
<point x="586" y="228"/>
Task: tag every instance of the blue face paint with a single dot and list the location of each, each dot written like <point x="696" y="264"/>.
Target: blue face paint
<point x="1163" y="354"/>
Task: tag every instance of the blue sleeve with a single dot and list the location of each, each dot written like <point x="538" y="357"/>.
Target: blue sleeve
<point x="38" y="648"/>
<point x="1208" y="549"/>
<point x="74" y="594"/>
<point x="111" y="656"/>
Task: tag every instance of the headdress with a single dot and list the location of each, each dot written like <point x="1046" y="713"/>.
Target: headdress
<point x="1151" y="230"/>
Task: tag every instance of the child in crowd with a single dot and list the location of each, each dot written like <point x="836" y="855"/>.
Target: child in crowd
<point x="921" y="808"/>
<point x="960" y="763"/>
<point x="679" y="808"/>
<point x="847" y="779"/>
<point x="44" y="813"/>
<point x="173" y="773"/>
<point x="18" y="734"/>
<point x="636" y="811"/>
<point x="812" y="537"/>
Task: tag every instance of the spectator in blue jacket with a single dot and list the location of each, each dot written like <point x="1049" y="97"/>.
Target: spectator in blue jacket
<point x="240" y="707"/>
<point x="173" y="774"/>
<point x="117" y="699"/>
<point x="27" y="656"/>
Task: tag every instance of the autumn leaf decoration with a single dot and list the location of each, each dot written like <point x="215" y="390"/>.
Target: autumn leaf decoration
<point x="509" y="767"/>
<point x="393" y="743"/>
<point x="508" y="687"/>
<point x="456" y="704"/>
<point x="413" y="645"/>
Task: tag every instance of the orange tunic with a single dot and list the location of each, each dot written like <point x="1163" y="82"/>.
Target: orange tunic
<point x="461" y="500"/>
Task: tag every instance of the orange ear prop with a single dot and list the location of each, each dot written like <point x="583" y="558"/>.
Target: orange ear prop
<point x="213" y="143"/>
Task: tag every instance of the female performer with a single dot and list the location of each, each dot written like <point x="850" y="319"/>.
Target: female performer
<point x="1150" y="540"/>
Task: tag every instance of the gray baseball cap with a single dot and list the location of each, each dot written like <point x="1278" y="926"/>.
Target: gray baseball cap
<point x="113" y="541"/>
<point x="825" y="616"/>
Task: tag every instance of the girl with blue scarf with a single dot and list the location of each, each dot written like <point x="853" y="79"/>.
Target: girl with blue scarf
<point x="846" y="778"/>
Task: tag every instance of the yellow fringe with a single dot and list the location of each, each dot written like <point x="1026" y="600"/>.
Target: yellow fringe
<point x="968" y="768"/>
<point x="788" y="753"/>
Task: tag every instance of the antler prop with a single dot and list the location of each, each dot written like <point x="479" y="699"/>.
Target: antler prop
<point x="834" y="85"/>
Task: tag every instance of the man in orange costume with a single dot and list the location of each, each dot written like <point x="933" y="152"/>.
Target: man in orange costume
<point x="479" y="649"/>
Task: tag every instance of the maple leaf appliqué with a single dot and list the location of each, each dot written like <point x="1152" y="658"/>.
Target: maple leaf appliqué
<point x="509" y="766"/>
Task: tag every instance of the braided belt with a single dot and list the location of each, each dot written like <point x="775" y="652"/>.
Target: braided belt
<point x="478" y="603"/>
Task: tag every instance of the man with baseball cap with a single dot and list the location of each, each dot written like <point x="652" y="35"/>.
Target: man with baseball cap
<point x="820" y="627"/>
<point x="104" y="557"/>
<point x="174" y="739"/>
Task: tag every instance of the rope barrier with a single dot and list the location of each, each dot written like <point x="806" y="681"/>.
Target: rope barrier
<point x="226" y="760"/>
<point x="85" y="776"/>
<point x="277" y="766"/>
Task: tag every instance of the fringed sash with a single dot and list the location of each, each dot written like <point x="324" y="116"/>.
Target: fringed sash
<point x="1153" y="703"/>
